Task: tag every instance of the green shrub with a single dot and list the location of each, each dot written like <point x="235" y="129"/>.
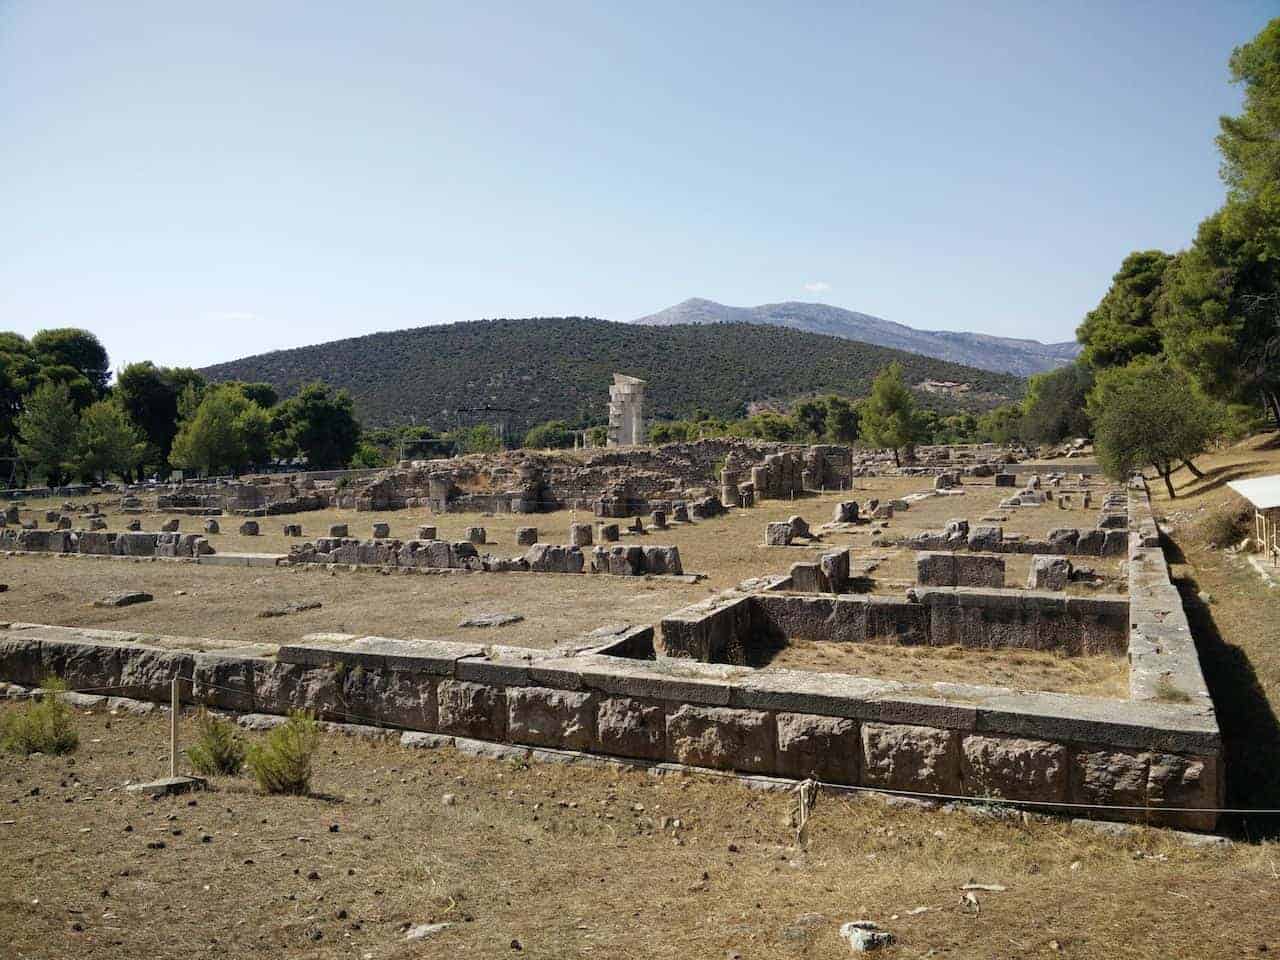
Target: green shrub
<point x="46" y="725"/>
<point x="282" y="762"/>
<point x="218" y="748"/>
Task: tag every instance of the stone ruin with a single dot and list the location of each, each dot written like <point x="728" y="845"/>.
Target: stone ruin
<point x="692" y="694"/>
<point x="626" y="411"/>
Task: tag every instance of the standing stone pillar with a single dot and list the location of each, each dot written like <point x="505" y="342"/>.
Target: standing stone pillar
<point x="729" y="487"/>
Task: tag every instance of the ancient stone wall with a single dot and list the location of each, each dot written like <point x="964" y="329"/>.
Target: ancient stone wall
<point x="847" y="730"/>
<point x="104" y="543"/>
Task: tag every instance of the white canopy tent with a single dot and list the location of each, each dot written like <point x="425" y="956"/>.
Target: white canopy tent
<point x="1264" y="494"/>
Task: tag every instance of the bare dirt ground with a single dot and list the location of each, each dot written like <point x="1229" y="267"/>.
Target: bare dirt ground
<point x="557" y="862"/>
<point x="1099" y="676"/>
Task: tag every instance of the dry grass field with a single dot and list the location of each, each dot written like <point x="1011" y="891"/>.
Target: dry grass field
<point x="555" y="861"/>
<point x="550" y="861"/>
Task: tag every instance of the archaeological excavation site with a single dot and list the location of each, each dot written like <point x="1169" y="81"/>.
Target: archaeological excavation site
<point x="968" y="626"/>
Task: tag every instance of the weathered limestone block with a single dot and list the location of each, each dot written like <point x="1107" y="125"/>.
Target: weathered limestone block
<point x="980" y="570"/>
<point x="472" y="710"/>
<point x="64" y="523"/>
<point x="846" y="511"/>
<point x="543" y="717"/>
<point x="249" y="528"/>
<point x="986" y="538"/>
<point x="1116" y="543"/>
<point x="902" y="756"/>
<point x="1177" y="781"/>
<point x="658" y="519"/>
<point x="96" y="543"/>
<point x="936" y="569"/>
<point x="620" y="561"/>
<point x="338" y="531"/>
<point x="662" y="560"/>
<point x="136" y="544"/>
<point x="381" y="531"/>
<point x="1110" y="777"/>
<point x="425" y="532"/>
<point x="609" y="533"/>
<point x="956" y="530"/>
<point x="97" y="523"/>
<point x="1014" y="768"/>
<point x="883" y="511"/>
<point x="828" y="748"/>
<point x="632" y="728"/>
<point x="1006" y="480"/>
<point x="526" y="536"/>
<point x="799" y="528"/>
<point x="834" y="567"/>
<point x="777" y="534"/>
<point x="806" y="577"/>
<point x="211" y="526"/>
<point x="722" y="738"/>
<point x="293" y="529"/>
<point x="404" y="699"/>
<point x="554" y="558"/>
<point x="134" y="526"/>
<point x="580" y="534"/>
<point x="1090" y="542"/>
<point x="680" y="512"/>
<point x="170" y="526"/>
<point x="463" y="554"/>
<point x="1049" y="573"/>
<point x="476" y="535"/>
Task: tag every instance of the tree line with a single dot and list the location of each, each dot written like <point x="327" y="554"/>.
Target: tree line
<point x="61" y="417"/>
<point x="1184" y="347"/>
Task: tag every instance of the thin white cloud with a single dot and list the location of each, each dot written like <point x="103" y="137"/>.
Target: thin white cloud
<point x="232" y="316"/>
<point x="817" y="286"/>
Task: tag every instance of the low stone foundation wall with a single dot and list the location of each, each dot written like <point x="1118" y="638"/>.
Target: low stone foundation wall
<point x="979" y="742"/>
<point x="733" y="629"/>
<point x="105" y="543"/>
<point x="617" y="560"/>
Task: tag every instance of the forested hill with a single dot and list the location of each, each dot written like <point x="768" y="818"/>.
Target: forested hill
<point x="561" y="368"/>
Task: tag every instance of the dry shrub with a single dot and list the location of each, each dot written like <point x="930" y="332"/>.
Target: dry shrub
<point x="218" y="748"/>
<point x="46" y="725"/>
<point x="282" y="762"/>
<point x="1224" y="525"/>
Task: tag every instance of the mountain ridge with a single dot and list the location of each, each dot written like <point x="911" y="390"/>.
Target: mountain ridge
<point x="547" y="368"/>
<point x="1022" y="357"/>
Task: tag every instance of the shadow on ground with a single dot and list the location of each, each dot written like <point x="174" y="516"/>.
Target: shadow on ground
<point x="1250" y="730"/>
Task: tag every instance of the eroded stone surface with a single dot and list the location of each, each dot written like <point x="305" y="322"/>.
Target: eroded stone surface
<point x="472" y="710"/>
<point x="632" y="728"/>
<point x="1014" y="768"/>
<point x="828" y="748"/>
<point x="721" y="738"/>
<point x="903" y="756"/>
<point x="543" y="717"/>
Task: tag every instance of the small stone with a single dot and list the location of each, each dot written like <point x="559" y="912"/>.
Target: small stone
<point x="127" y="599"/>
<point x="864" y="935"/>
<point x="449" y="800"/>
<point x="423" y="930"/>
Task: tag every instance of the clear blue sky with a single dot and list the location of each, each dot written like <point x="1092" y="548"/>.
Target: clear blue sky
<point x="197" y="182"/>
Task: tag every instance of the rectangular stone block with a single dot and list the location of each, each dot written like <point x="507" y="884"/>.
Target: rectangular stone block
<point x="901" y="756"/>
<point x="1014" y="769"/>
<point x="544" y="717"/>
<point x="631" y="728"/>
<point x="722" y="738"/>
<point x="472" y="710"/>
<point x="828" y="748"/>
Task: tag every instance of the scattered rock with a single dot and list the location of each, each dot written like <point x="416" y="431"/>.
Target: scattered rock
<point x="492" y="620"/>
<point x="423" y="930"/>
<point x="296" y="606"/>
<point x="864" y="935"/>
<point x="124" y="599"/>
